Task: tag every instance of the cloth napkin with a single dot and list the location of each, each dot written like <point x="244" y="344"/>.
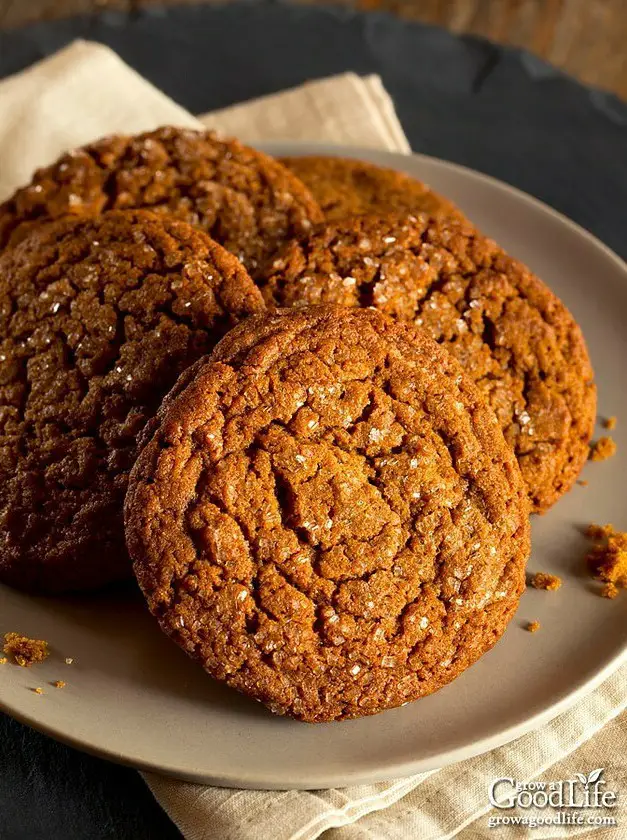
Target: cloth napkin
<point x="86" y="91"/>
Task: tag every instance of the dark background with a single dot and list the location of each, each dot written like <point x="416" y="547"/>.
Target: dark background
<point x="498" y="110"/>
<point x="584" y="37"/>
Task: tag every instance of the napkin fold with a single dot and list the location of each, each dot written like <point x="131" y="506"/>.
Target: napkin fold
<point x="347" y="109"/>
<point x="86" y="91"/>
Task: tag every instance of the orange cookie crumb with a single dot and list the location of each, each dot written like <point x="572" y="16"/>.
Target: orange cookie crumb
<point x="25" y="651"/>
<point x="599" y="532"/>
<point x="602" y="449"/>
<point x="59" y="684"/>
<point x="607" y="561"/>
<point x="542" y="580"/>
<point x="37" y="690"/>
<point x="609" y="423"/>
<point x="582" y="482"/>
<point x="3" y="661"/>
<point x="532" y="626"/>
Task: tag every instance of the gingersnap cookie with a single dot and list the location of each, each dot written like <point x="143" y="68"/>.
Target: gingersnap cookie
<point x="98" y="317"/>
<point x="344" y="187"/>
<point x="243" y="199"/>
<point x="513" y="336"/>
<point x="326" y="516"/>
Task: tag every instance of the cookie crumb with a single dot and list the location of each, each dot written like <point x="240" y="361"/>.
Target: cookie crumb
<point x="59" y="684"/>
<point x="37" y="690"/>
<point x="68" y="660"/>
<point x="25" y="651"/>
<point x="532" y="626"/>
<point x="3" y="661"/>
<point x="607" y="561"/>
<point x="598" y="532"/>
<point x="610" y="423"/>
<point x="602" y="449"/>
<point x="542" y="580"/>
<point x="582" y="482"/>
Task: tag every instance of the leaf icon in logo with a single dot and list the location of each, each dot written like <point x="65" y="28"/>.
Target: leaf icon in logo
<point x="583" y="779"/>
<point x="595" y="775"/>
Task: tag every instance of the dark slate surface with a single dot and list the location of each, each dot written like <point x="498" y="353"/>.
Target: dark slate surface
<point x="497" y="110"/>
<point x="52" y="792"/>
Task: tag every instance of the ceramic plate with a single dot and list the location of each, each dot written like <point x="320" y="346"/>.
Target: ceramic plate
<point x="133" y="697"/>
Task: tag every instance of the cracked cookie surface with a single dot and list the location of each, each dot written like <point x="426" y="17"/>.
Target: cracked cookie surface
<point x="98" y="318"/>
<point x="512" y="335"/>
<point x="345" y="187"/>
<point x="326" y="515"/>
<point x="243" y="199"/>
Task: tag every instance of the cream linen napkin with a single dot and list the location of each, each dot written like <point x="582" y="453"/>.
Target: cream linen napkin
<point x="86" y="91"/>
<point x="346" y="109"/>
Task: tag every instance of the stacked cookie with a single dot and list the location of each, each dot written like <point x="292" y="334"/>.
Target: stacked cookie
<point x="328" y="401"/>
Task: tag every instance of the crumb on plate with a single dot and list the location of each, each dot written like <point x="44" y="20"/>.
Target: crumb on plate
<point x="542" y="580"/>
<point x="59" y="684"/>
<point x="532" y="626"/>
<point x="607" y="561"/>
<point x="602" y="449"/>
<point x="68" y="660"/>
<point x="37" y="690"/>
<point x="610" y="423"/>
<point x="582" y="482"/>
<point x="25" y="651"/>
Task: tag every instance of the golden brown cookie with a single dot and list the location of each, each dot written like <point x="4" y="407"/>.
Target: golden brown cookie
<point x="97" y="319"/>
<point x="512" y="335"/>
<point x="344" y="187"/>
<point x="242" y="198"/>
<point x="326" y="515"/>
